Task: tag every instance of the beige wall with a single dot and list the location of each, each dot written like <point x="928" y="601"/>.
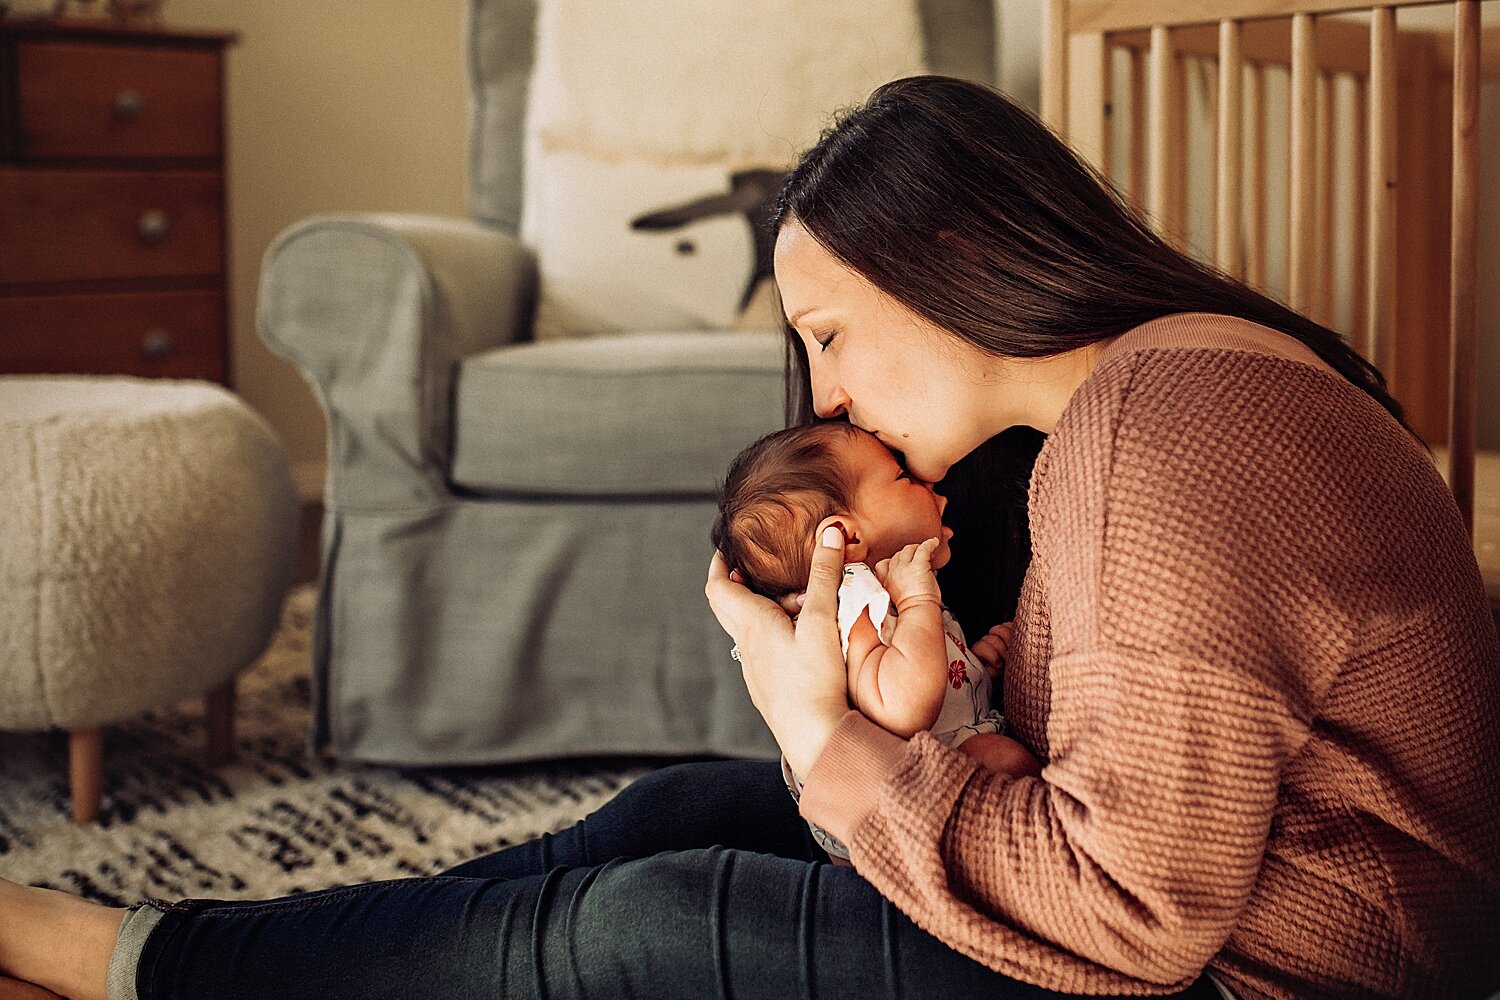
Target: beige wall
<point x="333" y="107"/>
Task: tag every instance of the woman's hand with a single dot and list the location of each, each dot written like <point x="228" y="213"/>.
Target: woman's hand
<point x="794" y="671"/>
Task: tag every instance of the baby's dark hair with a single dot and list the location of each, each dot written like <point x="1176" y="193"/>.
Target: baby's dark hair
<point x="776" y="493"/>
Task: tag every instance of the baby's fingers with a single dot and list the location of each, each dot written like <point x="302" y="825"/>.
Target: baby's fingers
<point x="916" y="552"/>
<point x="1000" y="635"/>
<point x="989" y="656"/>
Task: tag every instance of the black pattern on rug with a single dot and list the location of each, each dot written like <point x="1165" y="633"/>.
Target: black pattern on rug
<point x="279" y="819"/>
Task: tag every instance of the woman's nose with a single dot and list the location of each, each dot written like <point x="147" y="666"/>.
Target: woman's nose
<point x="829" y="400"/>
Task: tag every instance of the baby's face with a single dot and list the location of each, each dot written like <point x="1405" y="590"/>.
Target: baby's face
<point x="893" y="510"/>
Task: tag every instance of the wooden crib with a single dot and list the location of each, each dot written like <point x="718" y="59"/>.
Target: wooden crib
<point x="1351" y="194"/>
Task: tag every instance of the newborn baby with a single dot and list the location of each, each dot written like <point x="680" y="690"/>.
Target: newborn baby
<point x="908" y="666"/>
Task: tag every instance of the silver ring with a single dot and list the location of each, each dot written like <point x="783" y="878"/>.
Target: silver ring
<point x="734" y="653"/>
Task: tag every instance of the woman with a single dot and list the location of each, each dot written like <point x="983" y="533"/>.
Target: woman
<point x="1253" y="652"/>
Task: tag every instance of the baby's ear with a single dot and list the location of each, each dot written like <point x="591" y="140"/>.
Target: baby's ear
<point x="856" y="547"/>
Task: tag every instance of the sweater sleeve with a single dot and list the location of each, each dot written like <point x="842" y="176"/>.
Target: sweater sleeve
<point x="1126" y="864"/>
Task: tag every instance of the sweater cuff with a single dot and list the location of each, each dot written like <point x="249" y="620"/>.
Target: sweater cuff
<point x="842" y="786"/>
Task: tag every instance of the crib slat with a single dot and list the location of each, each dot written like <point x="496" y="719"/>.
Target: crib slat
<point x="1255" y="181"/>
<point x="1088" y="95"/>
<point x="1463" y="367"/>
<point x="1166" y="102"/>
<point x="1105" y="60"/>
<point x="1358" y="173"/>
<point x="1055" y="66"/>
<point x="1137" y="127"/>
<point x="1208" y="73"/>
<point x="1380" y="291"/>
<point x="1229" y="255"/>
<point x="1323" y="158"/>
<point x="1182" y="148"/>
<point x="1301" y="221"/>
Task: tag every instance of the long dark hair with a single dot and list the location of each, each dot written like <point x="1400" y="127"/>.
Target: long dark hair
<point x="965" y="208"/>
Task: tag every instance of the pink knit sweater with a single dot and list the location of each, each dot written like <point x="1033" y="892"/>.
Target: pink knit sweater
<point x="1254" y="653"/>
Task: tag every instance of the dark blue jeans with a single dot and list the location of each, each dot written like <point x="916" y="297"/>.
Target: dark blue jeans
<point x="697" y="881"/>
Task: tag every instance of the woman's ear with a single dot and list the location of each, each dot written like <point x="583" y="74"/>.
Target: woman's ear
<point x="856" y="545"/>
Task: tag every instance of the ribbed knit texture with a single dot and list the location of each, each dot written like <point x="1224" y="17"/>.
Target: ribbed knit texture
<point x="1254" y="652"/>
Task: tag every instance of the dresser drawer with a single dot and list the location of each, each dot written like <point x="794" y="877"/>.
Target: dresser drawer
<point x="172" y="334"/>
<point x="116" y="101"/>
<point x="64" y="225"/>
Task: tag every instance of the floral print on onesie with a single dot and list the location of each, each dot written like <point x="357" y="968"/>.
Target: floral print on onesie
<point x="966" y="707"/>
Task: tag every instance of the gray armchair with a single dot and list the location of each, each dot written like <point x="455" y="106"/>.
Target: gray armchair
<point x="516" y="531"/>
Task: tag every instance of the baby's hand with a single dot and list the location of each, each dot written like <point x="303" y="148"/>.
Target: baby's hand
<point x="992" y="648"/>
<point x="907" y="576"/>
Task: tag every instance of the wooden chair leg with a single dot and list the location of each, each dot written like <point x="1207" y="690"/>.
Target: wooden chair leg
<point x="86" y="773"/>
<point x="218" y="707"/>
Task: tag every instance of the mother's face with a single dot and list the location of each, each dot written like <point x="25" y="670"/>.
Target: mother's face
<point x="895" y="373"/>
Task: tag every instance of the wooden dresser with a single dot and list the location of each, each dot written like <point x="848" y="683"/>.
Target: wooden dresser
<point x="112" y="201"/>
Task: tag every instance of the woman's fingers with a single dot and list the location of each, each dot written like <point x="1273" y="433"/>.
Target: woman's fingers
<point x="733" y="604"/>
<point x="796" y="678"/>
<point x="821" y="603"/>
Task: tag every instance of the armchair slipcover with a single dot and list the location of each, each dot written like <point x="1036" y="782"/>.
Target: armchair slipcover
<point x="516" y="531"/>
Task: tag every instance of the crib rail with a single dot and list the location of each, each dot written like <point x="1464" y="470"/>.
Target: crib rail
<point x="1419" y="323"/>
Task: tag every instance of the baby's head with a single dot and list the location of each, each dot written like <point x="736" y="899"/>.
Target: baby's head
<point x="784" y="489"/>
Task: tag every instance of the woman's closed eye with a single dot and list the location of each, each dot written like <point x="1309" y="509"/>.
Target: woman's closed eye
<point x="824" y="339"/>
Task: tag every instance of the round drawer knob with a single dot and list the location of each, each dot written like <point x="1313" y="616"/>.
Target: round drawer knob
<point x="128" y="105"/>
<point x="157" y="345"/>
<point x="154" y="226"/>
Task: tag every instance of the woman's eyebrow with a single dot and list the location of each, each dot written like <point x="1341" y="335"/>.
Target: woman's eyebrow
<point x="799" y="314"/>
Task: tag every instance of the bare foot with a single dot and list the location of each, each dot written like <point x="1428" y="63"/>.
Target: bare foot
<point x="56" y="940"/>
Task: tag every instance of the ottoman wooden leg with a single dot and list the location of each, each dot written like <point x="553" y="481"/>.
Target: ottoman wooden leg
<point x="86" y="772"/>
<point x="219" y="712"/>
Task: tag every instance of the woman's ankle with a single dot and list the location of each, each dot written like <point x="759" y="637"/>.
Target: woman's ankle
<point x="57" y="941"/>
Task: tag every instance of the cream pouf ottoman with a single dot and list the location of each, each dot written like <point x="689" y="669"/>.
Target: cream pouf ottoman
<point x="147" y="534"/>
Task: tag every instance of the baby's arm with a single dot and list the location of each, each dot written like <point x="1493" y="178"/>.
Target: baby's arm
<point x="900" y="687"/>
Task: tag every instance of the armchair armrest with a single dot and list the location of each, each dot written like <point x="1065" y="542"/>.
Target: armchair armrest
<point x="376" y="311"/>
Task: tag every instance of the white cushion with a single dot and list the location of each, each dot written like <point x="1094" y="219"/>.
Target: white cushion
<point x="636" y="108"/>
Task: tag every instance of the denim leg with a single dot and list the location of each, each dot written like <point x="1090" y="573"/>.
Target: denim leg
<point x="731" y="803"/>
<point x="696" y="925"/>
<point x="698" y="881"/>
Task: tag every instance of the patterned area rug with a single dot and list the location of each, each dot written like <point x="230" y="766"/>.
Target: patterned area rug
<point x="279" y="819"/>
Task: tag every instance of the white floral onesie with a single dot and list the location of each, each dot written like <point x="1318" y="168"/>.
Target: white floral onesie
<point x="966" y="707"/>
